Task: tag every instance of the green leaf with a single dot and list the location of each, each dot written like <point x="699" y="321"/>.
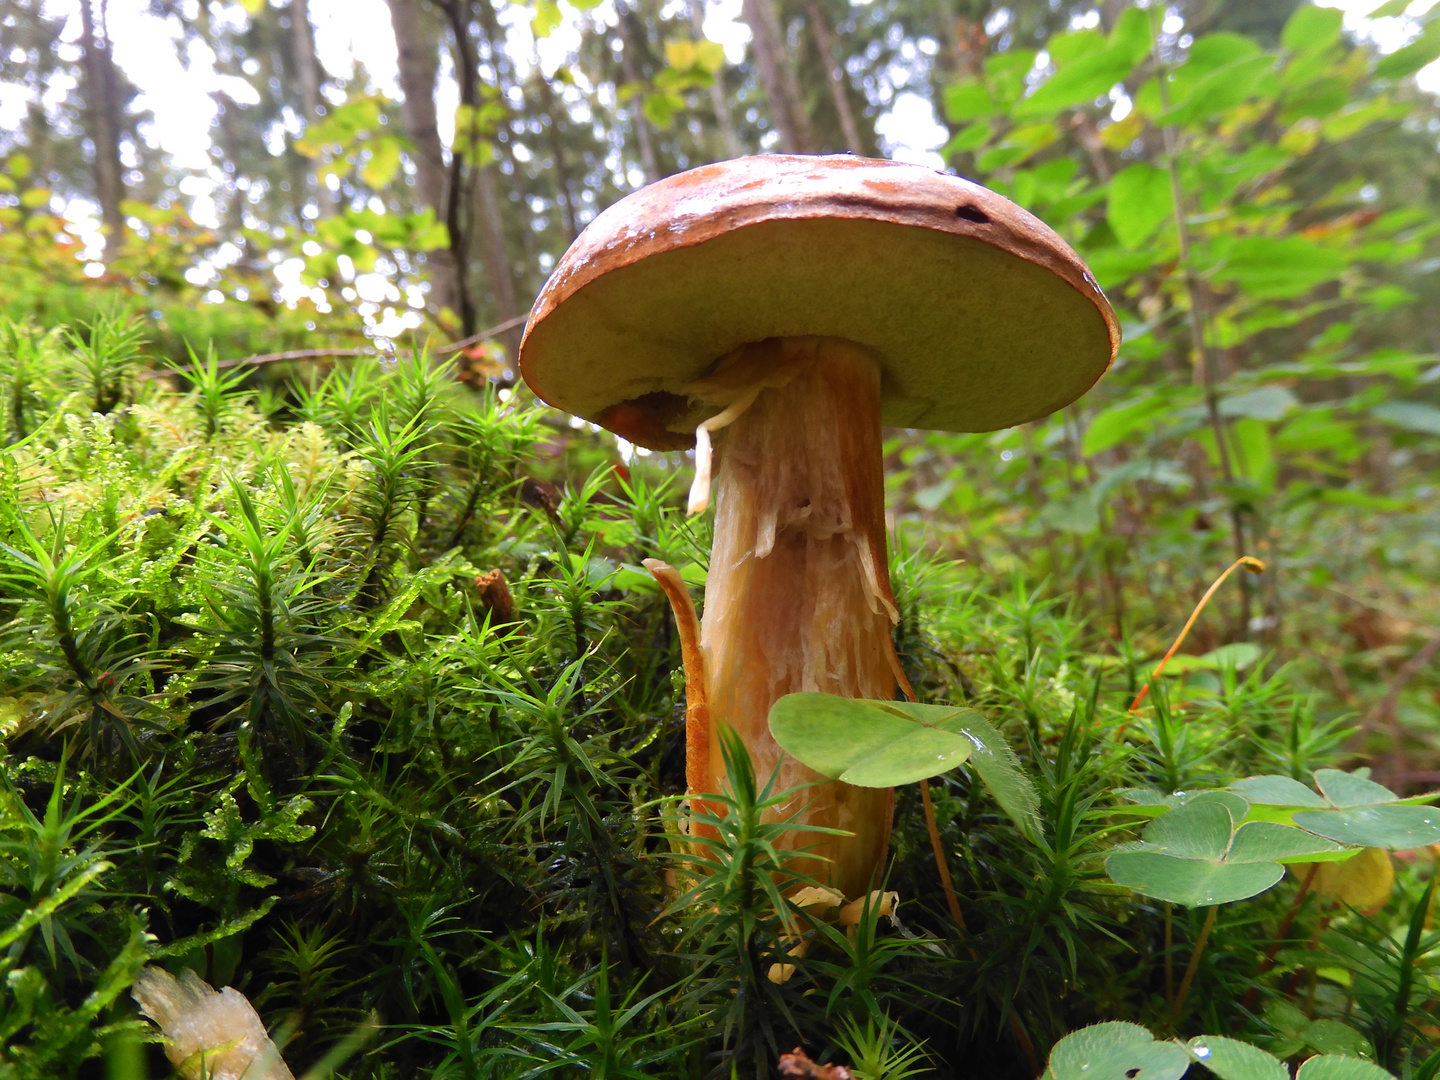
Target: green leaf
<point x="1348" y="789"/>
<point x="967" y="101"/>
<point x="1397" y="828"/>
<point x="1283" y="266"/>
<point x="1312" y="28"/>
<point x="383" y="164"/>
<point x="660" y="108"/>
<point x="1267" y="841"/>
<point x="1420" y="52"/>
<point x="1132" y="35"/>
<point x="1194" y="856"/>
<point x="1410" y="415"/>
<point x="971" y="137"/>
<point x="1222" y="89"/>
<point x="871" y="743"/>
<point x="1332" y="1037"/>
<point x="1191" y="882"/>
<point x="1354" y="810"/>
<point x="1071" y="46"/>
<point x="885" y="743"/>
<point x="1116" y="1051"/>
<point x="1000" y="770"/>
<point x="1230" y="1059"/>
<point x="547" y="18"/>
<point x="1080" y="82"/>
<point x="1265" y="403"/>
<point x="1118" y="423"/>
<point x="1334" y="1067"/>
<point x="1140" y="200"/>
<point x="1275" y="791"/>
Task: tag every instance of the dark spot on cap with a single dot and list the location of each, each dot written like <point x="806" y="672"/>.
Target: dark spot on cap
<point x="970" y="213"/>
<point x="1132" y="1073"/>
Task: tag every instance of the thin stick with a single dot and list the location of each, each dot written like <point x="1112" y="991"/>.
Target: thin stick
<point x="1254" y="565"/>
<point x="940" y="862"/>
<point x="1194" y="964"/>
<point x="320" y="354"/>
<point x="1253" y="994"/>
<point x="1169" y="954"/>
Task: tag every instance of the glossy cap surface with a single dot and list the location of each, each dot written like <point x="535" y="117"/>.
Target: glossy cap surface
<point x="981" y="316"/>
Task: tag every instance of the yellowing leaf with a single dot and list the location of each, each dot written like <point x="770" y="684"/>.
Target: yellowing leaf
<point x="1364" y="882"/>
<point x="547" y="18"/>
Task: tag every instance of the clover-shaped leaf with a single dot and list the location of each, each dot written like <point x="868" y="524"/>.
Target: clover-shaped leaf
<point x="887" y="743"/>
<point x="1230" y="1059"/>
<point x="1351" y="809"/>
<point x="1151" y="802"/>
<point x="1335" y="1067"/>
<point x="1116" y="1051"/>
<point x="1194" y="855"/>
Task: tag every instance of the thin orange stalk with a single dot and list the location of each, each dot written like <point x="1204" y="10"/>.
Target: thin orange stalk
<point x="1254" y="565"/>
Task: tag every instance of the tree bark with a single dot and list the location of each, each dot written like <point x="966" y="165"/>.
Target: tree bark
<point x="777" y="76"/>
<point x="307" y="64"/>
<point x="643" y="136"/>
<point x="102" y="91"/>
<point x="565" y="196"/>
<point x="416" y="61"/>
<point x="835" y="77"/>
<point x="718" y="101"/>
<point x="307" y="72"/>
<point x="481" y="189"/>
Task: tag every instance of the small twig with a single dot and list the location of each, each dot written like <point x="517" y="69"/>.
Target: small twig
<point x="1252" y="995"/>
<point x="1254" y="565"/>
<point x="322" y="354"/>
<point x="1384" y="713"/>
<point x="940" y="862"/>
<point x="1194" y="964"/>
<point x="1169" y="955"/>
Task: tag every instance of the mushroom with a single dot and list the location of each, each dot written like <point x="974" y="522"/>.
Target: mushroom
<point x="789" y="306"/>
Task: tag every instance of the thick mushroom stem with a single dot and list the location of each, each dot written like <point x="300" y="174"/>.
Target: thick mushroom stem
<point x="798" y="595"/>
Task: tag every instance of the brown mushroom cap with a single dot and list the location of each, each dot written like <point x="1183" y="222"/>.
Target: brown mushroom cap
<point x="980" y="315"/>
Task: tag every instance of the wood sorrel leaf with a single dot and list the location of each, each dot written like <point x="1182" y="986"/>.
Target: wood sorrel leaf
<point x="1335" y="1067"/>
<point x="1350" y="809"/>
<point x="1195" y="856"/>
<point x="1114" y="1051"/>
<point x="886" y="743"/>
<point x="1230" y="1059"/>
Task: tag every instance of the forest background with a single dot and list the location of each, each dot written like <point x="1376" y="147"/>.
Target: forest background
<point x="260" y="389"/>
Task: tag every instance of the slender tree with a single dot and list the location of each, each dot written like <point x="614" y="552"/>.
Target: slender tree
<point x="415" y="44"/>
<point x="103" y="121"/>
<point x="777" y="76"/>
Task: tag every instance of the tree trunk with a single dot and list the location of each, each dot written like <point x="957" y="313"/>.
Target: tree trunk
<point x="483" y="190"/>
<point x="777" y="76"/>
<point x="565" y="196"/>
<point x="307" y="65"/>
<point x="835" y="77"/>
<point x="718" y="100"/>
<point x="496" y="255"/>
<point x="102" y="91"/>
<point x="643" y="136"/>
<point x="307" y="72"/>
<point x="416" y="60"/>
